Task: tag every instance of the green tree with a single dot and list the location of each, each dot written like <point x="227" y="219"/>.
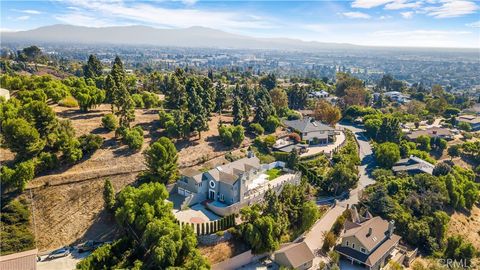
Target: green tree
<point x="133" y="137"/>
<point x="237" y="111"/>
<point x="93" y="68"/>
<point x="297" y="97"/>
<point x="197" y="112"/>
<point x="110" y="122"/>
<point x="280" y="100"/>
<point x="309" y="215"/>
<point x="387" y="154"/>
<point x="161" y="160"/>
<point x="262" y="234"/>
<point x="423" y="142"/>
<point x="108" y="195"/>
<point x="454" y="150"/>
<point x="269" y="81"/>
<point x="220" y="98"/>
<point x="21" y="137"/>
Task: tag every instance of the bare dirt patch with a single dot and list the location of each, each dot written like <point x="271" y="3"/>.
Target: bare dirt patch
<point x="68" y="202"/>
<point x="222" y="251"/>
<point x="466" y="226"/>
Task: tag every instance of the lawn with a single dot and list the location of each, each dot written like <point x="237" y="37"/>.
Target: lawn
<point x="273" y="173"/>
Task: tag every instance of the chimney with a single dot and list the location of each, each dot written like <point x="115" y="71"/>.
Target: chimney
<point x="355" y="216"/>
<point x="391" y="227"/>
<point x="250" y="154"/>
<point x="369" y="231"/>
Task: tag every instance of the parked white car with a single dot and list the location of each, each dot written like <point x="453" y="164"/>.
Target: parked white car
<point x="62" y="252"/>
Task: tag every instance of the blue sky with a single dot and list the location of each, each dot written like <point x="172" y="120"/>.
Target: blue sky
<point x="426" y="23"/>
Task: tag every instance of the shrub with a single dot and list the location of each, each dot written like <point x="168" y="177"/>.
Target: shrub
<point x="90" y="143"/>
<point x="257" y="128"/>
<point x="231" y="135"/>
<point x="69" y="102"/>
<point x="387" y="154"/>
<point x="464" y="126"/>
<point x="46" y="161"/>
<point x="133" y="137"/>
<point x="110" y="122"/>
<point x="328" y="241"/>
<point x="272" y="123"/>
<point x="137" y="98"/>
<point x="269" y="140"/>
<point x="150" y="100"/>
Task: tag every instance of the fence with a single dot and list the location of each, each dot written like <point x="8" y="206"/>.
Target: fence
<point x="212" y="226"/>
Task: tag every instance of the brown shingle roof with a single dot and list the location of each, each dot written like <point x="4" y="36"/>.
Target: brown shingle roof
<point x="379" y="228"/>
<point x="297" y="254"/>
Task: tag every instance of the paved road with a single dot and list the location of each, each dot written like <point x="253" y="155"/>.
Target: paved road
<point x="314" y="238"/>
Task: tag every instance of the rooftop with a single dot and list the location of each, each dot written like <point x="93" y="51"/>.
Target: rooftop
<point x="307" y="124"/>
<point x="297" y="254"/>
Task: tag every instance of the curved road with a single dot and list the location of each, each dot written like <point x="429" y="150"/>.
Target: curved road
<point x="314" y="238"/>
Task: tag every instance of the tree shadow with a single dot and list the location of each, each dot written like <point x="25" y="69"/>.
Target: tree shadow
<point x="123" y="151"/>
<point x="217" y="144"/>
<point x="103" y="229"/>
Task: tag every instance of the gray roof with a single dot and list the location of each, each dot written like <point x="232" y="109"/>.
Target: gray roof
<point x="307" y="124"/>
<point x="230" y="172"/>
<point x="413" y="163"/>
<point x="431" y="132"/>
<point x="192" y="173"/>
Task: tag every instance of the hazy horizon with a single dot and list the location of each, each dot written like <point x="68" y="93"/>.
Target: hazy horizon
<point x="384" y="23"/>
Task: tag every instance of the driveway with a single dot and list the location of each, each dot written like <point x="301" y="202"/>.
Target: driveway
<point x="314" y="238"/>
<point x="65" y="263"/>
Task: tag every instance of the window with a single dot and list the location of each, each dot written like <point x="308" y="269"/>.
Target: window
<point x="363" y="250"/>
<point x="222" y="198"/>
<point x="347" y="243"/>
<point x="353" y="246"/>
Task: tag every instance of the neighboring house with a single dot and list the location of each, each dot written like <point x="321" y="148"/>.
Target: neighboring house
<point x="318" y="94"/>
<point x="4" y="93"/>
<point x="435" y="132"/>
<point x="396" y="96"/>
<point x="26" y="260"/>
<point x="413" y="165"/>
<point x="295" y="256"/>
<point x="473" y="120"/>
<point x="311" y="131"/>
<point x="475" y="109"/>
<point x="369" y="241"/>
<point x="228" y="187"/>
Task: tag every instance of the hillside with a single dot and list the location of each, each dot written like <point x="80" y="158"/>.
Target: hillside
<point x="144" y="35"/>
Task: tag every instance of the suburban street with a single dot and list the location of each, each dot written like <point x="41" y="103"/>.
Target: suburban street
<point x="314" y="238"/>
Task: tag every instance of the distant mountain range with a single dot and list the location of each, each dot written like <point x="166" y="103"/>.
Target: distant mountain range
<point x="143" y="35"/>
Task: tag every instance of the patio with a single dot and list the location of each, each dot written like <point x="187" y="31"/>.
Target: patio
<point x="197" y="213"/>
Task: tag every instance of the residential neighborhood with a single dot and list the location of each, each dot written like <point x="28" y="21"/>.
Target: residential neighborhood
<point x="239" y="135"/>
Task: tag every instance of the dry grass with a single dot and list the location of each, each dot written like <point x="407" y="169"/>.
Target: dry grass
<point x="68" y="203"/>
<point x="467" y="226"/>
<point x="222" y="251"/>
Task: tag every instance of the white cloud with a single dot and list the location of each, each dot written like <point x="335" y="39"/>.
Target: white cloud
<point x="22" y="18"/>
<point x="356" y="15"/>
<point x="402" y="4"/>
<point x="407" y="14"/>
<point x="28" y="11"/>
<point x="142" y="13"/>
<point x="474" y="24"/>
<point x="452" y="8"/>
<point x="369" y="3"/>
